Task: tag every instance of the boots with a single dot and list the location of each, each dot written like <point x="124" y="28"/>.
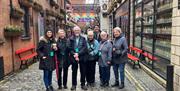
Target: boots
<point x="115" y="84"/>
<point x="122" y="85"/>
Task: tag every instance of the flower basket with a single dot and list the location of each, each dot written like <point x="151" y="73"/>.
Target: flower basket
<point x="37" y="6"/>
<point x="62" y="11"/>
<point x="56" y="6"/>
<point x="12" y="31"/>
<point x="50" y="12"/>
<point x="17" y="13"/>
<point x="26" y="3"/>
<point x="60" y="16"/>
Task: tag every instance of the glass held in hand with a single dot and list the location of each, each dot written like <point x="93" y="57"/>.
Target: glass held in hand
<point x="54" y="46"/>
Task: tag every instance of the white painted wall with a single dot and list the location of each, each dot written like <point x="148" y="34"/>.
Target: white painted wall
<point x="104" y="21"/>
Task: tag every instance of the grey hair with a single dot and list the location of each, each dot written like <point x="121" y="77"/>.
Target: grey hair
<point x="118" y="29"/>
<point x="77" y="27"/>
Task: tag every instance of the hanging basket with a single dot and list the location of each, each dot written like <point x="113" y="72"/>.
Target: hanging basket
<point x="50" y="12"/>
<point x="26" y="3"/>
<point x="12" y="34"/>
<point x="37" y="6"/>
<point x="17" y="13"/>
<point x="12" y="31"/>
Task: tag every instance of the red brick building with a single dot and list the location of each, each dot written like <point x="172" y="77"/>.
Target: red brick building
<point x="33" y="23"/>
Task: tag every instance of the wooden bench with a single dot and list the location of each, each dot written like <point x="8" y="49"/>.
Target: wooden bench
<point x="145" y="54"/>
<point x="24" y="55"/>
<point x="134" y="59"/>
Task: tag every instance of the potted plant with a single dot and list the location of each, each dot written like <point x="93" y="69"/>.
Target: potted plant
<point x="26" y="3"/>
<point x="12" y="31"/>
<point x="37" y="6"/>
<point x="17" y="13"/>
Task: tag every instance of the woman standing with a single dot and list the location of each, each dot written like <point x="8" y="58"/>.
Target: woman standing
<point x="120" y="49"/>
<point x="46" y="50"/>
<point x="62" y="55"/>
<point x="105" y="54"/>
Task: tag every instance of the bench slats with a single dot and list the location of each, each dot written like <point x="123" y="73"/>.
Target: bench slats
<point x="133" y="58"/>
<point x="24" y="50"/>
<point x="28" y="57"/>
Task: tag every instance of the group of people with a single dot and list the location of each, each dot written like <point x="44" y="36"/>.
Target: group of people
<point x="61" y="52"/>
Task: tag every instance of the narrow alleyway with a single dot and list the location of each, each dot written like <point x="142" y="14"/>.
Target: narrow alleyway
<point x="31" y="80"/>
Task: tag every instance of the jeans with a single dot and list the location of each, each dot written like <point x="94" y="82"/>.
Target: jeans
<point x="105" y="74"/>
<point x="121" y="72"/>
<point x="47" y="78"/>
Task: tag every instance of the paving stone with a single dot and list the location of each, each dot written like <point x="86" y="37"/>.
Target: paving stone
<point x="31" y="79"/>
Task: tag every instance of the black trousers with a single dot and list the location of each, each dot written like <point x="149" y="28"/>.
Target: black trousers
<point x="74" y="73"/>
<point x="65" y="75"/>
<point x="90" y="73"/>
<point x="83" y="71"/>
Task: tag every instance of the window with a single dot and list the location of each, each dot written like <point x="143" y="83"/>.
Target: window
<point x="26" y="23"/>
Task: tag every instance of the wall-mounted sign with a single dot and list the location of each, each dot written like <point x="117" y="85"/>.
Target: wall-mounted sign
<point x="104" y="6"/>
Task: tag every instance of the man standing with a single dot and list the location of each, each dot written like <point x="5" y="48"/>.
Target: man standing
<point x="93" y="47"/>
<point x="78" y="51"/>
<point x="97" y="33"/>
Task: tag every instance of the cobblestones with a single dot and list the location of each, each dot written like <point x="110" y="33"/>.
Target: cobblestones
<point x="31" y="80"/>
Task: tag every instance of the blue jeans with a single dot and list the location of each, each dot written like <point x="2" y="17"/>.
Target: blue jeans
<point x="105" y="74"/>
<point x="47" y="78"/>
<point x="121" y="72"/>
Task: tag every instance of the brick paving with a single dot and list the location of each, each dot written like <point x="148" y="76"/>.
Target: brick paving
<point x="147" y="82"/>
<point x="31" y="80"/>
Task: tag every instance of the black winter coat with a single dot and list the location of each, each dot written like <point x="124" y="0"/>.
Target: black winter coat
<point x="82" y="46"/>
<point x="44" y="49"/>
<point x="63" y="52"/>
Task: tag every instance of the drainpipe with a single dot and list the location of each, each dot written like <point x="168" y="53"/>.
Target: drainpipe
<point x="12" y="49"/>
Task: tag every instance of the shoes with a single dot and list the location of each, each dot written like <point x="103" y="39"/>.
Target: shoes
<point x="92" y="84"/>
<point x="121" y="86"/>
<point x="65" y="87"/>
<point x="51" y="88"/>
<point x="60" y="87"/>
<point x="73" y="88"/>
<point x="115" y="84"/>
<point x="106" y="84"/>
<point x="84" y="87"/>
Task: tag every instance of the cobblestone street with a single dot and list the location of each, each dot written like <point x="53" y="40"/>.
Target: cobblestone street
<point x="31" y="80"/>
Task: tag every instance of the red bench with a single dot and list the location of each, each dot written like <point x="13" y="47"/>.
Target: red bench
<point x="145" y="54"/>
<point x="24" y="55"/>
<point x="134" y="59"/>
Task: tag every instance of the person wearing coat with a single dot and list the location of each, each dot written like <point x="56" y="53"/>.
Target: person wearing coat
<point x="92" y="58"/>
<point x="105" y="57"/>
<point x="46" y="50"/>
<point x="62" y="58"/>
<point x="120" y="49"/>
<point x="78" y="51"/>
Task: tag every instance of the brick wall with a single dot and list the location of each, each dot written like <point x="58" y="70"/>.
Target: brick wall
<point x="8" y="48"/>
<point x="175" y="48"/>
